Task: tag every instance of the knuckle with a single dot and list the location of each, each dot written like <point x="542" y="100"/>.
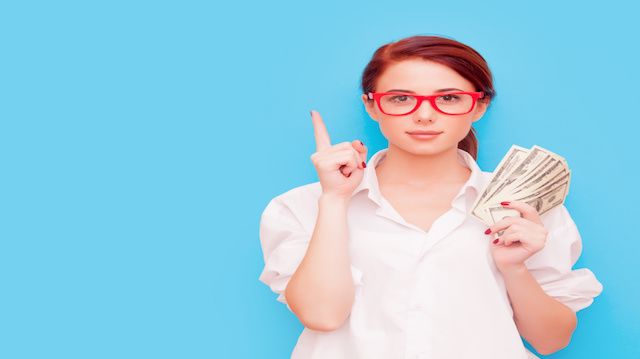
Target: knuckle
<point x="532" y="210"/>
<point x="506" y="222"/>
<point x="319" y="163"/>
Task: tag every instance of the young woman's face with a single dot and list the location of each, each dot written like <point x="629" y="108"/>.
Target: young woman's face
<point x="424" y="78"/>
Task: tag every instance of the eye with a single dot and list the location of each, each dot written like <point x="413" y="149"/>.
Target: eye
<point x="449" y="98"/>
<point x="399" y="98"/>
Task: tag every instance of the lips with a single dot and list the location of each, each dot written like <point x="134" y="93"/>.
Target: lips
<point x="424" y="132"/>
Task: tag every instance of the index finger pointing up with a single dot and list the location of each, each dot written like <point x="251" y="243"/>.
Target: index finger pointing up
<point x="320" y="131"/>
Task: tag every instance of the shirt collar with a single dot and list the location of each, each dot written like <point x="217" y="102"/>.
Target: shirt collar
<point x="463" y="199"/>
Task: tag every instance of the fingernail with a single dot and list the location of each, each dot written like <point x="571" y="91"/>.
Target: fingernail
<point x="487" y="231"/>
<point x="361" y="143"/>
<point x="364" y="165"/>
<point x="505" y="203"/>
<point x="495" y="241"/>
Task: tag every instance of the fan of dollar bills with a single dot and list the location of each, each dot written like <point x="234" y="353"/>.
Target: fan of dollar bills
<point x="536" y="176"/>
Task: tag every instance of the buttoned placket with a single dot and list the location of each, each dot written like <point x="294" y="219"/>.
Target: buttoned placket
<point x="418" y="325"/>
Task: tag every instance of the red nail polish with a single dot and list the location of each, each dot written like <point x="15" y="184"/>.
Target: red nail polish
<point x="364" y="165"/>
<point x="505" y="203"/>
<point x="361" y="143"/>
<point x="495" y="241"/>
<point x="487" y="231"/>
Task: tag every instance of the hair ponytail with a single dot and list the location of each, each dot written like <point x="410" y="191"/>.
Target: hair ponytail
<point x="470" y="144"/>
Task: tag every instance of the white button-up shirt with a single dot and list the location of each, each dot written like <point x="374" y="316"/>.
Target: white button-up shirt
<point x="435" y="294"/>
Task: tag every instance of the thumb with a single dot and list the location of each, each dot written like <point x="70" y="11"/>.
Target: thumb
<point x="362" y="150"/>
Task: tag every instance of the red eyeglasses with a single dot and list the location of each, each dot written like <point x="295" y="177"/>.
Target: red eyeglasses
<point x="402" y="103"/>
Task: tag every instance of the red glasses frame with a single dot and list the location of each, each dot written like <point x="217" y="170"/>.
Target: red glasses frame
<point x="431" y="98"/>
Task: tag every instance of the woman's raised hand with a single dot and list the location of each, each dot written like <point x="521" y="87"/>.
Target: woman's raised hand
<point x="340" y="167"/>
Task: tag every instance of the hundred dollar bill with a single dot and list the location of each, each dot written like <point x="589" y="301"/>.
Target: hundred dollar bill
<point x="508" y="163"/>
<point x="552" y="169"/>
<point x="541" y="201"/>
<point x="552" y="175"/>
<point x="531" y="163"/>
<point x="541" y="180"/>
<point x="535" y="176"/>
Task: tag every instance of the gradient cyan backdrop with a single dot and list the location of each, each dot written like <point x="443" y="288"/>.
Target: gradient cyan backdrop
<point x="141" y="140"/>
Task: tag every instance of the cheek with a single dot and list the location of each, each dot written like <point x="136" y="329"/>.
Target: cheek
<point x="384" y="130"/>
<point x="459" y="129"/>
<point x="391" y="127"/>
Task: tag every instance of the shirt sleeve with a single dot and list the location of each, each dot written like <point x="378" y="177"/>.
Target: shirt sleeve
<point x="553" y="265"/>
<point x="284" y="244"/>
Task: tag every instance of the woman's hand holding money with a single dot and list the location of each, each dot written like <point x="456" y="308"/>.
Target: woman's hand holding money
<point x="523" y="237"/>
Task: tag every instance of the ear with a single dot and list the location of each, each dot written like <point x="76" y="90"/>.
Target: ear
<point x="369" y="106"/>
<point x="481" y="108"/>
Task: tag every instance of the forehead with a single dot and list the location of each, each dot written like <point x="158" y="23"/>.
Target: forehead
<point x="421" y="76"/>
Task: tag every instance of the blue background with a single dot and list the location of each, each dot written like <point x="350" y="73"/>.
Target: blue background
<point x="140" y="142"/>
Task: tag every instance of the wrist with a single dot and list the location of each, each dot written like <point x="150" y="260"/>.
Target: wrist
<point x="329" y="199"/>
<point x="513" y="269"/>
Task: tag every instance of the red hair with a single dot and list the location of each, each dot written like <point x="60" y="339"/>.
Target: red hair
<point x="459" y="57"/>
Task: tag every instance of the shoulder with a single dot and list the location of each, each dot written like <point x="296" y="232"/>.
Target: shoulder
<point x="484" y="178"/>
<point x="486" y="175"/>
<point x="298" y="196"/>
<point x="301" y="193"/>
<point x="299" y="202"/>
<point x="558" y="217"/>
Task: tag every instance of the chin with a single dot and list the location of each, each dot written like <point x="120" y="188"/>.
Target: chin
<point x="426" y="147"/>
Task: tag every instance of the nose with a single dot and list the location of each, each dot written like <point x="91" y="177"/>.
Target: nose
<point x="425" y="112"/>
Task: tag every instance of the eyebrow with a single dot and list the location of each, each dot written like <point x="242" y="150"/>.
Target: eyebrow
<point x="438" y="90"/>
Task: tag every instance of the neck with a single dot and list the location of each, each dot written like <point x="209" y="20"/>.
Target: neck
<point x="402" y="168"/>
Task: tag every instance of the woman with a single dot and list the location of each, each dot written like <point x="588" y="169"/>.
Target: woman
<point x="382" y="259"/>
